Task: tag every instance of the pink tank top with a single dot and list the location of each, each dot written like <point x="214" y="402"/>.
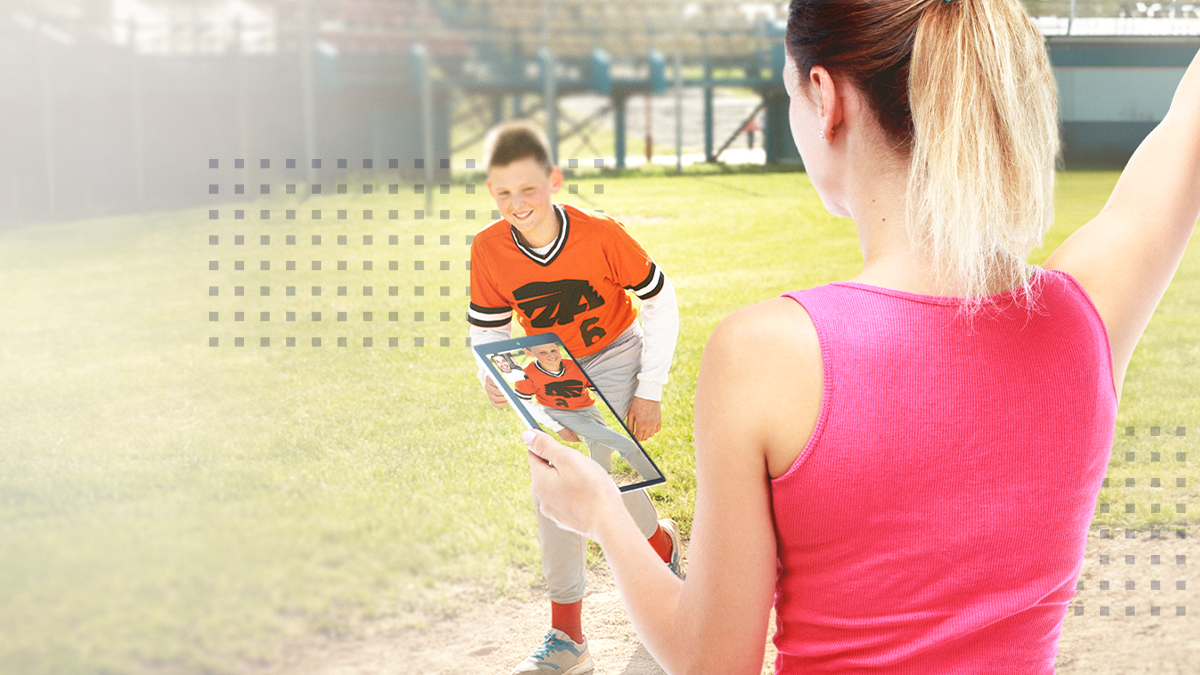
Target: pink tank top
<point x="936" y="521"/>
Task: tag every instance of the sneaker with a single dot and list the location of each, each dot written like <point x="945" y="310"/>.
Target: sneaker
<point x="672" y="531"/>
<point x="559" y="655"/>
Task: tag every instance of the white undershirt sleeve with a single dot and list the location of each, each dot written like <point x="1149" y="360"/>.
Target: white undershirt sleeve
<point x="660" y="323"/>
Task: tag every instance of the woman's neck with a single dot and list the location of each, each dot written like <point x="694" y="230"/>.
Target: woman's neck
<point x="890" y="260"/>
<point x="878" y="208"/>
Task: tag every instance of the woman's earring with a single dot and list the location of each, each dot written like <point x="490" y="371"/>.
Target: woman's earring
<point x="822" y="132"/>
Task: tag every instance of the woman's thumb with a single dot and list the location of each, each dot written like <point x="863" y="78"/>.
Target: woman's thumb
<point x="538" y="443"/>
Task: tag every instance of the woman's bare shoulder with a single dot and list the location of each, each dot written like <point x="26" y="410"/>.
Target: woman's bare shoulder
<point x="781" y="321"/>
<point x="765" y="362"/>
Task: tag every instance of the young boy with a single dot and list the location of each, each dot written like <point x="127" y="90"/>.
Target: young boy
<point x="560" y="389"/>
<point x="564" y="270"/>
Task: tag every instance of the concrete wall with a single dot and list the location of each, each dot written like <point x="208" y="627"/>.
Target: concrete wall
<point x="1113" y="91"/>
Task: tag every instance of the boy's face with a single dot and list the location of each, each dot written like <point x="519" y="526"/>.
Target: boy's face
<point x="547" y="356"/>
<point x="522" y="191"/>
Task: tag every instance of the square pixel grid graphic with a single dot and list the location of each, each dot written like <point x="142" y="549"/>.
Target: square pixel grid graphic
<point x="337" y="252"/>
<point x="1138" y="567"/>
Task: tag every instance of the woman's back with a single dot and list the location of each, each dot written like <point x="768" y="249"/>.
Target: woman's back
<point x="936" y="520"/>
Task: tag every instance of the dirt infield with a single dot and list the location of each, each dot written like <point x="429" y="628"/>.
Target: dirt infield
<point x="1112" y="628"/>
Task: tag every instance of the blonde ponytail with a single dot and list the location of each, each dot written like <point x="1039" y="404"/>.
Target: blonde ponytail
<point x="985" y="141"/>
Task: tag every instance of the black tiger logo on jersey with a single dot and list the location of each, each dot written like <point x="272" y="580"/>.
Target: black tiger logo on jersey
<point x="547" y="303"/>
<point x="564" y="389"/>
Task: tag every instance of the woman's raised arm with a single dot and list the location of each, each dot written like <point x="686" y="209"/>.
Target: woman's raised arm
<point x="1125" y="257"/>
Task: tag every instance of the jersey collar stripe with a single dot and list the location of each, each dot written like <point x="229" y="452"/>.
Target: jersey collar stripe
<point x="555" y="249"/>
<point x="562" y="369"/>
<point x="651" y="285"/>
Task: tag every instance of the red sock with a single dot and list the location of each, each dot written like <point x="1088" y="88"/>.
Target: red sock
<point x="567" y="618"/>
<point x="660" y="541"/>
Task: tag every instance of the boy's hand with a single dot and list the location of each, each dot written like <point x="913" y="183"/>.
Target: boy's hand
<point x="567" y="435"/>
<point x="494" y="394"/>
<point x="644" y="418"/>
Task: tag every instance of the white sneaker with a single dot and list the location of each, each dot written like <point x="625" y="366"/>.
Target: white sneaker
<point x="672" y="530"/>
<point x="558" y="654"/>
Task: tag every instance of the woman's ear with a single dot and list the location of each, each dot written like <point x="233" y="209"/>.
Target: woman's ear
<point x="830" y="105"/>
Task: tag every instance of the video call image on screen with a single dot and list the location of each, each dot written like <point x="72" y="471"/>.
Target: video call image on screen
<point x="543" y="382"/>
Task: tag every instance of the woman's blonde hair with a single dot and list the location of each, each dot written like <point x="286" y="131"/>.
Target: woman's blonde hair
<point x="965" y="89"/>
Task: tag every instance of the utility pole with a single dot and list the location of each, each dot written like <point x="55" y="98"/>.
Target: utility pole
<point x="549" y="84"/>
<point x="708" y="101"/>
<point x="48" y="149"/>
<point x="308" y="92"/>
<point x="137" y="116"/>
<point x="424" y="76"/>
<point x="678" y="88"/>
<point x="649" y="131"/>
<point x="243" y="113"/>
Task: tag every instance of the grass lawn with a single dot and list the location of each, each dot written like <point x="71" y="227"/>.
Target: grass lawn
<point x="171" y="506"/>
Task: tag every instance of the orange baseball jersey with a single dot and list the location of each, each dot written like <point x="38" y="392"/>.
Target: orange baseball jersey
<point x="566" y="389"/>
<point x="575" y="289"/>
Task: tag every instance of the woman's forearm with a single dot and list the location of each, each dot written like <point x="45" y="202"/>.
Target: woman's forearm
<point x="648" y="589"/>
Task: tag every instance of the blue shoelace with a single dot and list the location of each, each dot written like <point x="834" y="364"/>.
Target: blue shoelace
<point x="552" y="644"/>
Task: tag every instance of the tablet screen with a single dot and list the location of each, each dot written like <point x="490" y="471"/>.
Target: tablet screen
<point x="548" y="387"/>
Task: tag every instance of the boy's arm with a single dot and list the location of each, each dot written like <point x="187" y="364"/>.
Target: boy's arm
<point x="488" y="314"/>
<point x="637" y="272"/>
<point x="660" y="320"/>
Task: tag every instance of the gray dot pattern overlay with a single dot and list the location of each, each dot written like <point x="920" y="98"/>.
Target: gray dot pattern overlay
<point x="387" y="259"/>
<point x="1137" y="568"/>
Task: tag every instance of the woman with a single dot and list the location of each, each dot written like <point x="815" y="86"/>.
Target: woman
<point x="914" y="496"/>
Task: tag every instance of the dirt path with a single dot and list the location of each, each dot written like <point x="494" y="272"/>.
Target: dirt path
<point x="1117" y="632"/>
<point x="485" y="638"/>
<point x="494" y="637"/>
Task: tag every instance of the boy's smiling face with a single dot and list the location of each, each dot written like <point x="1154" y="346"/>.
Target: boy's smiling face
<point x="523" y="191"/>
<point x="547" y="357"/>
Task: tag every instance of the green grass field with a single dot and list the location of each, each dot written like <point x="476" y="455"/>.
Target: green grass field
<point x="168" y="506"/>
